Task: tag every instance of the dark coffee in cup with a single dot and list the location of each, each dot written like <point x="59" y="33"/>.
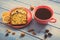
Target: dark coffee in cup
<point x="43" y="13"/>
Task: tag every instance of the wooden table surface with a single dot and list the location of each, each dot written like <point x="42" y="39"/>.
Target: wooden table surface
<point x="54" y="28"/>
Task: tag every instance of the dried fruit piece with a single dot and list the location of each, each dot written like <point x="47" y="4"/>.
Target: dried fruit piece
<point x="13" y="33"/>
<point x="46" y="31"/>
<point x="7" y="34"/>
<point x="30" y="30"/>
<point x="31" y="8"/>
<point x="33" y="33"/>
<point x="49" y="34"/>
<point x="22" y="34"/>
<point x="45" y="36"/>
<point x="8" y="31"/>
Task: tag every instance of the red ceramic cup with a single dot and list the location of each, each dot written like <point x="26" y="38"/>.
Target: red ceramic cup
<point x="29" y="18"/>
<point x="51" y="19"/>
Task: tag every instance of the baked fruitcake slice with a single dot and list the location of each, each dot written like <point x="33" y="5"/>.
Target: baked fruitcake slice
<point x="6" y="17"/>
<point x="18" y="16"/>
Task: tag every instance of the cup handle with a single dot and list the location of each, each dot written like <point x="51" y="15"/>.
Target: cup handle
<point x="52" y="20"/>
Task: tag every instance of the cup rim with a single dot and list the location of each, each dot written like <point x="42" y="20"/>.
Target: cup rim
<point x="47" y="7"/>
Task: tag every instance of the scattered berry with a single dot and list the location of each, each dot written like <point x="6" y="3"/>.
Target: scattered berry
<point x="30" y="30"/>
<point x="8" y="31"/>
<point x="13" y="33"/>
<point x="46" y="31"/>
<point x="22" y="34"/>
<point x="49" y="34"/>
<point x="7" y="34"/>
<point x="31" y="8"/>
<point x="33" y="33"/>
<point x="45" y="36"/>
